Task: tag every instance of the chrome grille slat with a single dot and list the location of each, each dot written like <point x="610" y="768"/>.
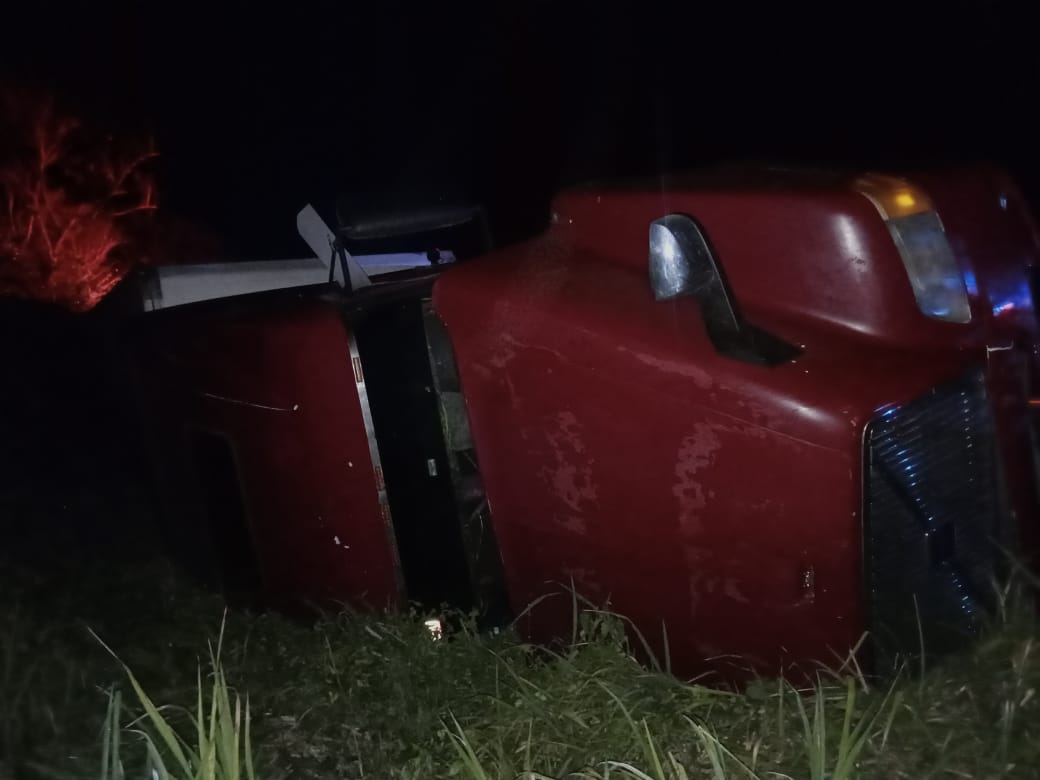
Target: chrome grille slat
<point x="933" y="513"/>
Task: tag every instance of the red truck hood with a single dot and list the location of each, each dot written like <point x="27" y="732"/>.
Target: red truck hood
<point x="807" y="254"/>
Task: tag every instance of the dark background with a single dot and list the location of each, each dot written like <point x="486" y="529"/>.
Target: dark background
<point x="258" y="109"/>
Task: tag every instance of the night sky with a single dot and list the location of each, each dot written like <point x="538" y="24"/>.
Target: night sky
<point x="259" y="109"/>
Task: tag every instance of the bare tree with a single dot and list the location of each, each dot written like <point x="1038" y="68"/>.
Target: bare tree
<point x="73" y="200"/>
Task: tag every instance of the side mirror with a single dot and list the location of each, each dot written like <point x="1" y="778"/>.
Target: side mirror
<point x="682" y="263"/>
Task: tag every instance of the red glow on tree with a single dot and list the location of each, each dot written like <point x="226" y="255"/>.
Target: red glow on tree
<point x="72" y="201"/>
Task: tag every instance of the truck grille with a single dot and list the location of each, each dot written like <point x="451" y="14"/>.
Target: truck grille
<point x="933" y="513"/>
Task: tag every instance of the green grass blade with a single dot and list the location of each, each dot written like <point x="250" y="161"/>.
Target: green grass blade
<point x="106" y="735"/>
<point x="169" y="738"/>
<point x="467" y="755"/>
<point x="248" y="745"/>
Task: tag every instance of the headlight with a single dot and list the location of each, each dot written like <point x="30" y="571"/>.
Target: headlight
<point x="918" y="232"/>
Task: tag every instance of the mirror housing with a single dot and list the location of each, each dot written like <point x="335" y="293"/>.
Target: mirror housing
<point x="683" y="263"/>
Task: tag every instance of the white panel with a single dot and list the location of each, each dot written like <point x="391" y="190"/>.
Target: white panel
<point x="180" y="284"/>
<point x="176" y="285"/>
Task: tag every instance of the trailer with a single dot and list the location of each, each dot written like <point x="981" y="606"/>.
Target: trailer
<point x="771" y="416"/>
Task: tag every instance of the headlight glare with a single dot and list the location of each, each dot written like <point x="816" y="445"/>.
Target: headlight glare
<point x="933" y="270"/>
<point x="934" y="273"/>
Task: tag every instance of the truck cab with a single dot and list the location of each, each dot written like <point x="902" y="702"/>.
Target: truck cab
<point x="771" y="416"/>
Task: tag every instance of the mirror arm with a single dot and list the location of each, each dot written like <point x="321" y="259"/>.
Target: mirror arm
<point x="683" y="263"/>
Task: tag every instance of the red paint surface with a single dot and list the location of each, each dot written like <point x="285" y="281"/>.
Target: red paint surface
<point x="280" y="385"/>
<point x="620" y="451"/>
<point x="999" y="244"/>
<point x="717" y="499"/>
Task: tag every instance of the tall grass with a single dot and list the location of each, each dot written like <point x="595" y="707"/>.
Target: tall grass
<point x="219" y="746"/>
<point x="371" y="696"/>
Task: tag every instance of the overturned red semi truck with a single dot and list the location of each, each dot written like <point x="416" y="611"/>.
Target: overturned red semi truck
<point x="763" y="413"/>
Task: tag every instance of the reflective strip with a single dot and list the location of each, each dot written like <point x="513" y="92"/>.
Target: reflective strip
<point x="377" y="466"/>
